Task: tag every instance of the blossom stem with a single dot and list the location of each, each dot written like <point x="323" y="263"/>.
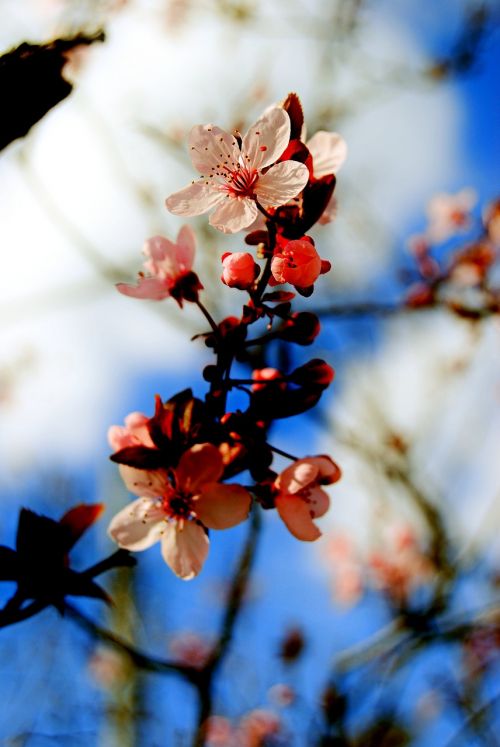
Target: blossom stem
<point x="141" y="659"/>
<point x="262" y="340"/>
<point x="10" y="615"/>
<point x="264" y="212"/>
<point x="235" y="599"/>
<point x="208" y="317"/>
<point x="283" y="453"/>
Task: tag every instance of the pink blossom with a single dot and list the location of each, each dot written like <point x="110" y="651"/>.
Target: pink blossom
<point x="449" y="214"/>
<point x="233" y="177"/>
<point x="134" y="433"/>
<point x="239" y="270"/>
<point x="328" y="151"/>
<point x="253" y="729"/>
<point x="300" y="499"/>
<point x="190" y="649"/>
<point x="401" y="565"/>
<point x="348" y="580"/>
<point x="282" y="695"/>
<point x="256" y="726"/>
<point x="219" y="732"/>
<point x="166" y="265"/>
<point x="176" y="506"/>
<point x="297" y="263"/>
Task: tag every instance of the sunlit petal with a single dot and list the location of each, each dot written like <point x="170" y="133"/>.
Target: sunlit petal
<point x="267" y="139"/>
<point x="138" y="526"/>
<point x="281" y="183"/>
<point x="296" y="515"/>
<point x="223" y="506"/>
<point x="329" y="151"/>
<point x="195" y="199"/>
<point x="233" y="214"/>
<point x="185" y="549"/>
<point x="201" y="464"/>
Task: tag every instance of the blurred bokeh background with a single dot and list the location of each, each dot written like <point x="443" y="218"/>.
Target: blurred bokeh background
<point x="412" y="417"/>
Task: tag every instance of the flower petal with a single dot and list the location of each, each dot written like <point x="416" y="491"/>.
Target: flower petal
<point x="195" y="199"/>
<point x="135" y="431"/>
<point x="222" y="506"/>
<point x="329" y="151"/>
<point x="199" y="465"/>
<point x="328" y="471"/>
<point x="186" y="247"/>
<point x="233" y="214"/>
<point x="151" y="289"/>
<point x="139" y="525"/>
<point x="299" y="475"/>
<point x="158" y="248"/>
<point x="137" y="424"/>
<point x="185" y="550"/>
<point x="267" y="139"/>
<point x="210" y="148"/>
<point x="281" y="183"/>
<point x="145" y="483"/>
<point x="318" y="501"/>
<point x="297" y="517"/>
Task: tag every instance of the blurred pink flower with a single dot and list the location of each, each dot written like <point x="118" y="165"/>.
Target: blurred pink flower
<point x="341" y="556"/>
<point x="449" y="214"/>
<point x="134" y="433"/>
<point x="256" y="726"/>
<point x="174" y="508"/>
<point x="219" y="732"/>
<point x="166" y="264"/>
<point x="300" y="499"/>
<point x="239" y="270"/>
<point x="232" y="175"/>
<point x="282" y="695"/>
<point x="190" y="649"/>
<point x="107" y="667"/>
<point x="401" y="565"/>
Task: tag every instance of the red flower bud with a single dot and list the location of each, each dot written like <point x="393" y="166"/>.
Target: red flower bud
<point x="239" y="270"/>
<point x="315" y="373"/>
<point x="301" y="328"/>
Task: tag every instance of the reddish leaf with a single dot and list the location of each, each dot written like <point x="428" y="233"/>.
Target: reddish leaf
<point x="293" y="108"/>
<point x="78" y="519"/>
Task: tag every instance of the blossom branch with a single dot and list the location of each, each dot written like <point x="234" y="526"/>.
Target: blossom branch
<point x="237" y="591"/>
<point x="140" y="659"/>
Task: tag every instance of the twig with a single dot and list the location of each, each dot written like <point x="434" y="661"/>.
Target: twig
<point x="236" y="595"/>
<point x="140" y="658"/>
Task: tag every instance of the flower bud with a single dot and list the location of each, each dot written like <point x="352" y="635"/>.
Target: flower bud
<point x="301" y="328"/>
<point x="298" y="263"/>
<point x="239" y="270"/>
<point x="314" y="373"/>
<point x="262" y="376"/>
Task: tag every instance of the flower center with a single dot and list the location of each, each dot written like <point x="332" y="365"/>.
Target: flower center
<point x="458" y="217"/>
<point x="178" y="505"/>
<point x="240" y="182"/>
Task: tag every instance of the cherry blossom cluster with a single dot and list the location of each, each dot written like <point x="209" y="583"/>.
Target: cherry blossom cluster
<point x="464" y="278"/>
<point x="397" y="566"/>
<point x="180" y="463"/>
